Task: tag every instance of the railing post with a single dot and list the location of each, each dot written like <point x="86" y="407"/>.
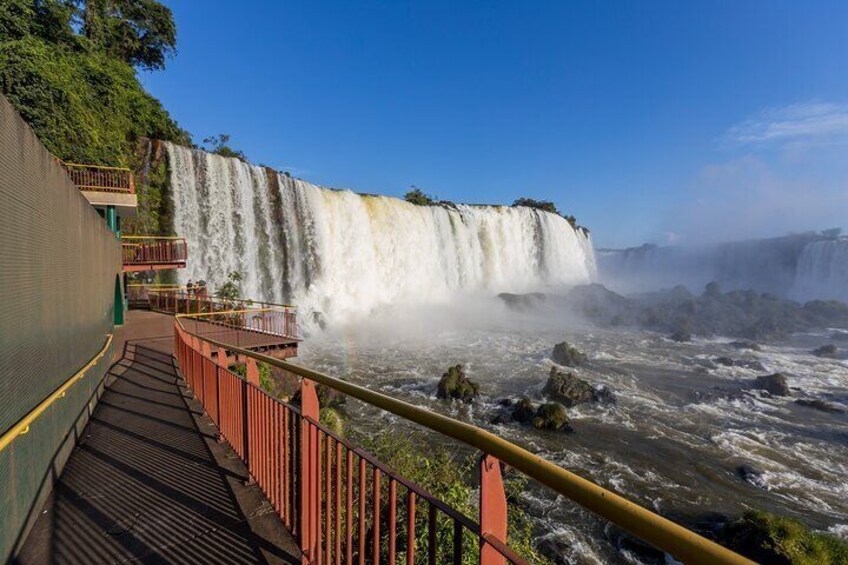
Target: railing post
<point x="245" y="428"/>
<point x="309" y="478"/>
<point x="493" y="510"/>
<point x="252" y="371"/>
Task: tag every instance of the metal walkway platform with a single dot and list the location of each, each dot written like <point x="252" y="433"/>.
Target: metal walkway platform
<point x="148" y="481"/>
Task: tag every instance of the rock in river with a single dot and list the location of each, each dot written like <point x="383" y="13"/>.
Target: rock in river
<point x="567" y="355"/>
<point x="571" y="390"/>
<point x="454" y="384"/>
<point x="775" y="384"/>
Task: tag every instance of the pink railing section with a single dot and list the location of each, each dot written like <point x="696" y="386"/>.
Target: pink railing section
<point x="341" y="504"/>
<point x="101" y="179"/>
<point x="141" y="251"/>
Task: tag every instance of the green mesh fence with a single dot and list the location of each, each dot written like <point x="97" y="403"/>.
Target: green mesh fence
<point x="59" y="264"/>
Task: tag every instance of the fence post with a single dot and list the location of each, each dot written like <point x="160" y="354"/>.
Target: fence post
<point x="252" y="371"/>
<point x="493" y="518"/>
<point x="245" y="427"/>
<point x="309" y="478"/>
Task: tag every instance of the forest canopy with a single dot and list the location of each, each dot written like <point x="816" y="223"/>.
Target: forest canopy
<point x="69" y="68"/>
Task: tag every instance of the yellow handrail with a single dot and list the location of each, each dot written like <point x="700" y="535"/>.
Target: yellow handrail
<point x="672" y="538"/>
<point x="22" y="426"/>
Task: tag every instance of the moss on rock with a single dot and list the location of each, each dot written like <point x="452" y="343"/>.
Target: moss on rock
<point x="767" y="538"/>
<point x="454" y="384"/>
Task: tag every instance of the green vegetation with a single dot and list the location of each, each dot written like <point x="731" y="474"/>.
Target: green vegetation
<point x="219" y="144"/>
<point x="445" y="473"/>
<point x="548" y="206"/>
<point x="767" y="538"/>
<point x="265" y="381"/>
<point x="544" y="205"/>
<point x="417" y="197"/>
<point x="69" y="68"/>
<point x="230" y="290"/>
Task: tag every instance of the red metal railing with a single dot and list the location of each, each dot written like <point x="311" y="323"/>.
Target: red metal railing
<point x="339" y="501"/>
<point x="101" y="179"/>
<point x="223" y="319"/>
<point x="141" y="251"/>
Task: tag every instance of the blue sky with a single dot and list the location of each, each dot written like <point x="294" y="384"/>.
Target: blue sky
<point x="650" y="121"/>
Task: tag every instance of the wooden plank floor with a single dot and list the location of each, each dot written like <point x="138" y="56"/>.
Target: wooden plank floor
<point x="148" y="481"/>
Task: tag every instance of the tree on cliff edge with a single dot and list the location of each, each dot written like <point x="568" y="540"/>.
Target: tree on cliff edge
<point x="69" y="68"/>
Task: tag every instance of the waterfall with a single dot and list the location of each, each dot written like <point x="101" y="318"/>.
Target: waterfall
<point x="801" y="267"/>
<point x="823" y="271"/>
<point x="342" y="253"/>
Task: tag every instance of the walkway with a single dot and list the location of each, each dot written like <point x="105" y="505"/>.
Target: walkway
<point x="148" y="481"/>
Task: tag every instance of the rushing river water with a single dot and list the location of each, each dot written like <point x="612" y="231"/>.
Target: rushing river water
<point x="674" y="440"/>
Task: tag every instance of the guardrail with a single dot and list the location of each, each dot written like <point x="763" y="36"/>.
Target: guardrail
<point x="312" y="476"/>
<point x="138" y="292"/>
<point x="144" y="250"/>
<point x="101" y="179"/>
<point x="236" y="314"/>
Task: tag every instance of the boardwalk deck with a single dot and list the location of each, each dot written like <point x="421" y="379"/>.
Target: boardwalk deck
<point x="148" y="480"/>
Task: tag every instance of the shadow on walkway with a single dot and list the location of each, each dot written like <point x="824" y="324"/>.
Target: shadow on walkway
<point x="149" y="482"/>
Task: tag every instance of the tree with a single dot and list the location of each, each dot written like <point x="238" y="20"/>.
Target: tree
<point x="139" y="32"/>
<point x="219" y="144"/>
<point x="230" y="290"/>
<point x="417" y="197"/>
<point x="84" y="103"/>
<point x="545" y="205"/>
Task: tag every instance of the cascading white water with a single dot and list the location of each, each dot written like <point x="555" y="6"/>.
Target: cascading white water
<point x="342" y="253"/>
<point x="823" y="271"/>
<point x="802" y="267"/>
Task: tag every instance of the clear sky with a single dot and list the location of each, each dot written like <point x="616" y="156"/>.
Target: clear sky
<point x="650" y="121"/>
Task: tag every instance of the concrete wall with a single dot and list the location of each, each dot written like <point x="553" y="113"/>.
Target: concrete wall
<point x="58" y="267"/>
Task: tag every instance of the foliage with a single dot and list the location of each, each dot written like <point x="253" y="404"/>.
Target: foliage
<point x="416" y="196"/>
<point x="139" y="32"/>
<point x="767" y="538"/>
<point x="445" y="473"/>
<point x="544" y="205"/>
<point x="219" y="144"/>
<point x="83" y="100"/>
<point x="548" y="206"/>
<point x="266" y="383"/>
<point x="154" y="205"/>
<point x="230" y="290"/>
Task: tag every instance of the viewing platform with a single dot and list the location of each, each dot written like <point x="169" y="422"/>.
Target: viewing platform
<point x="153" y="253"/>
<point x="105" y="187"/>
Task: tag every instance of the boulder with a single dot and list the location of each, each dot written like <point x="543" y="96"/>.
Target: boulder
<point x="523" y="302"/>
<point x="775" y="384"/>
<point x="828" y="350"/>
<point x="567" y="355"/>
<point x="726" y="361"/>
<point x="551" y="416"/>
<point x="523" y="411"/>
<point x="454" y="384"/>
<point x="819" y="405"/>
<point x="570" y="390"/>
<point x="751" y="475"/>
<point x="681" y="336"/>
<point x="745" y="345"/>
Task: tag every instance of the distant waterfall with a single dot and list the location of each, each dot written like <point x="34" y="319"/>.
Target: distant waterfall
<point x="801" y="267"/>
<point x="823" y="271"/>
<point x="340" y="253"/>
